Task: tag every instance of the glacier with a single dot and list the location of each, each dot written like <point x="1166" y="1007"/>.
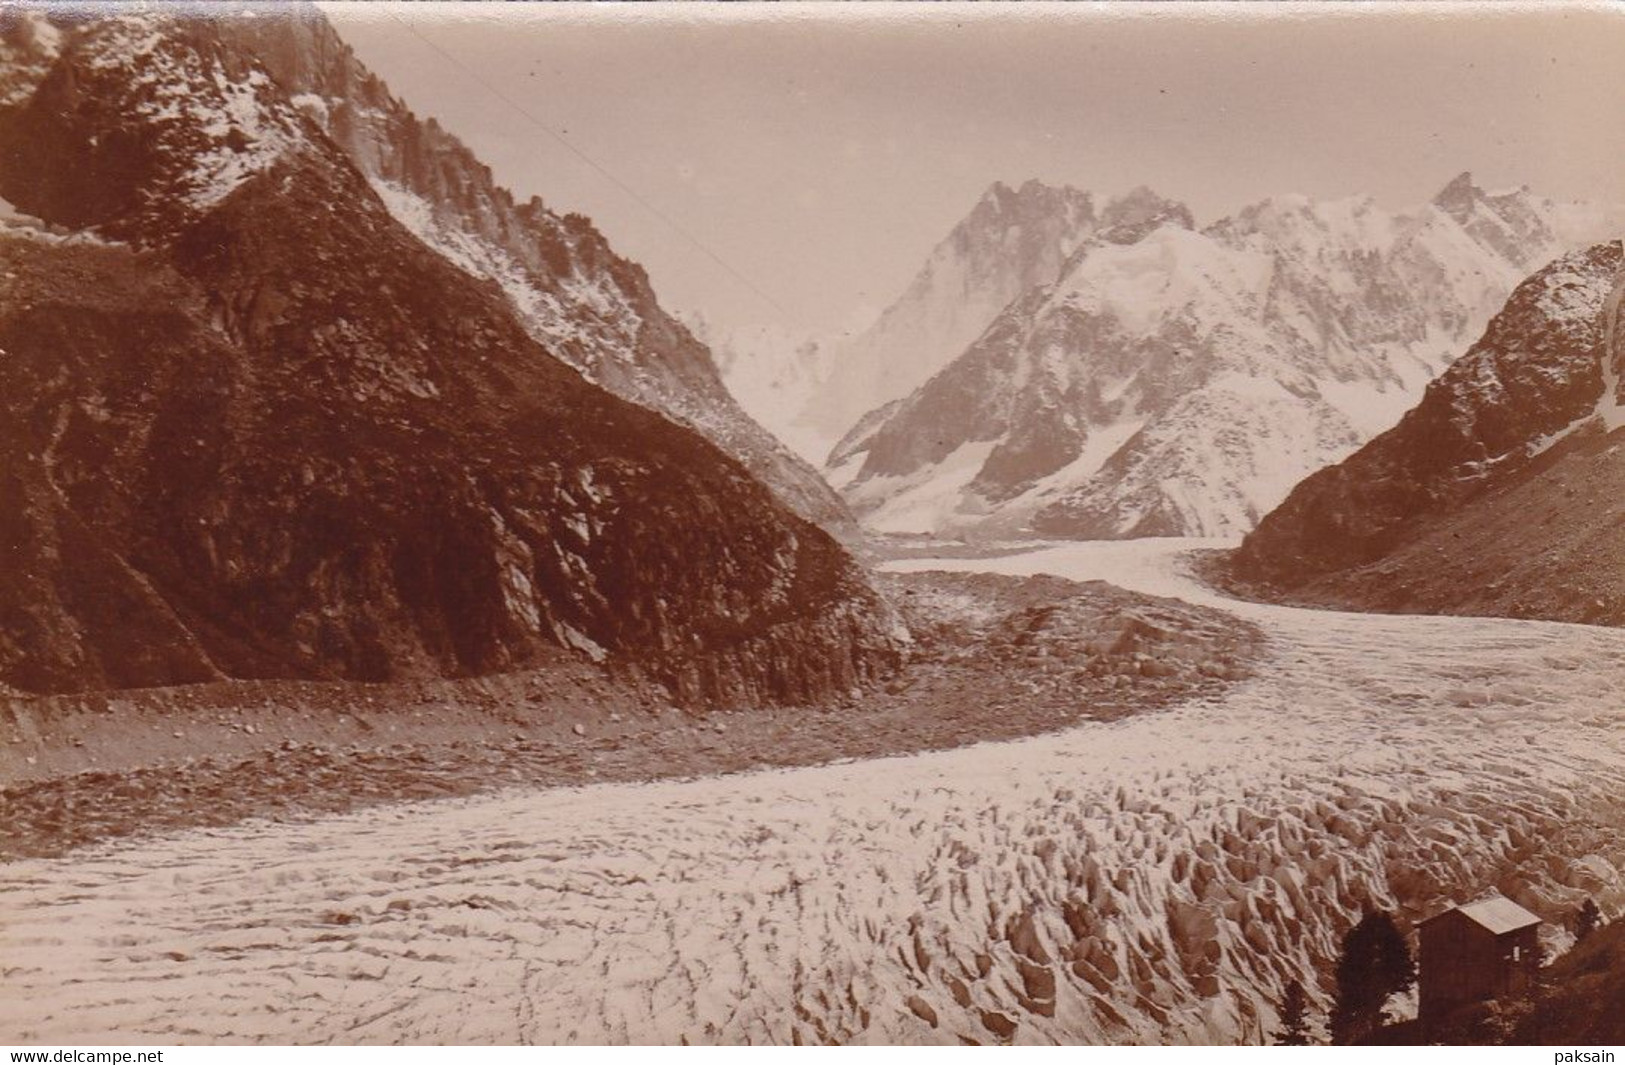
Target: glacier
<point x="1155" y="879"/>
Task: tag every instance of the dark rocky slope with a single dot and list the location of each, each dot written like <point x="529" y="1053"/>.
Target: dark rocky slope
<point x="571" y="291"/>
<point x="1498" y="494"/>
<point x="1582" y="1001"/>
<point x="250" y="426"/>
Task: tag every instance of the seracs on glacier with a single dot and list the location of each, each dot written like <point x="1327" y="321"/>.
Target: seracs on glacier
<point x="1156" y="879"/>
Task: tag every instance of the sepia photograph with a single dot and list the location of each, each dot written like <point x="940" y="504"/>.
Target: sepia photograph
<point x="909" y="524"/>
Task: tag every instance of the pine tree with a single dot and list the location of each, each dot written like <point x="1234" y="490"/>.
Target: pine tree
<point x="1376" y="963"/>
<point x="1587" y="920"/>
<point x="1294" y="1018"/>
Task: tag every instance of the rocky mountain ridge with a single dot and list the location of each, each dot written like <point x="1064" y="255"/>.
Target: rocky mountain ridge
<point x="571" y="291"/>
<point x="255" y="427"/>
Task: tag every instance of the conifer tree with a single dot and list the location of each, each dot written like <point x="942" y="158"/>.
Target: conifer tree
<point x="1376" y="962"/>
<point x="1587" y="920"/>
<point x="1294" y="1018"/>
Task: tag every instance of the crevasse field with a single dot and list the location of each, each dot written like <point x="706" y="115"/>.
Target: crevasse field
<point x="1156" y="879"/>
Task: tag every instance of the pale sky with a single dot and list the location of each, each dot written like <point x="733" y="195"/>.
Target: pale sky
<point x="822" y="150"/>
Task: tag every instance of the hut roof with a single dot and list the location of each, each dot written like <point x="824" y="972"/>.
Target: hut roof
<point x="1497" y="913"/>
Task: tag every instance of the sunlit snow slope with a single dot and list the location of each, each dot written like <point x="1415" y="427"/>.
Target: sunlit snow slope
<point x="1175" y="381"/>
<point x="1153" y="879"/>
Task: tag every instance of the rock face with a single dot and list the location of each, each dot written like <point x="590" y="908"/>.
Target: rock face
<point x="1171" y="381"/>
<point x="590" y="307"/>
<point x="1012" y="240"/>
<point x="252" y="426"/>
<point x="1498" y="493"/>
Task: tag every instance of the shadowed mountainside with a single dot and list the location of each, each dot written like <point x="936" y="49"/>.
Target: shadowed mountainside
<point x="592" y="308"/>
<point x="255" y="428"/>
<point x="1497" y="494"/>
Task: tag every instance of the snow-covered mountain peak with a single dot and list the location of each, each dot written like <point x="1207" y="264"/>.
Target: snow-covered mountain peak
<point x="1463" y="198"/>
<point x="1170" y="271"/>
<point x="770" y="370"/>
<point x="995" y="200"/>
<point x="1137" y="212"/>
<point x="1514" y="222"/>
<point x="1005" y="218"/>
<point x="1300" y="222"/>
<point x="1012" y="239"/>
<point x="1138" y="202"/>
<point x="1170" y="381"/>
<point x="1031" y="196"/>
<point x="1459" y="196"/>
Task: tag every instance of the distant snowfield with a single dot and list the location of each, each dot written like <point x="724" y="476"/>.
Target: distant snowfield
<point x="1153" y="879"/>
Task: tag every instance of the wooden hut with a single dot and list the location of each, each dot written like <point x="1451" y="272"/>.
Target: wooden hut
<point x="1483" y="950"/>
